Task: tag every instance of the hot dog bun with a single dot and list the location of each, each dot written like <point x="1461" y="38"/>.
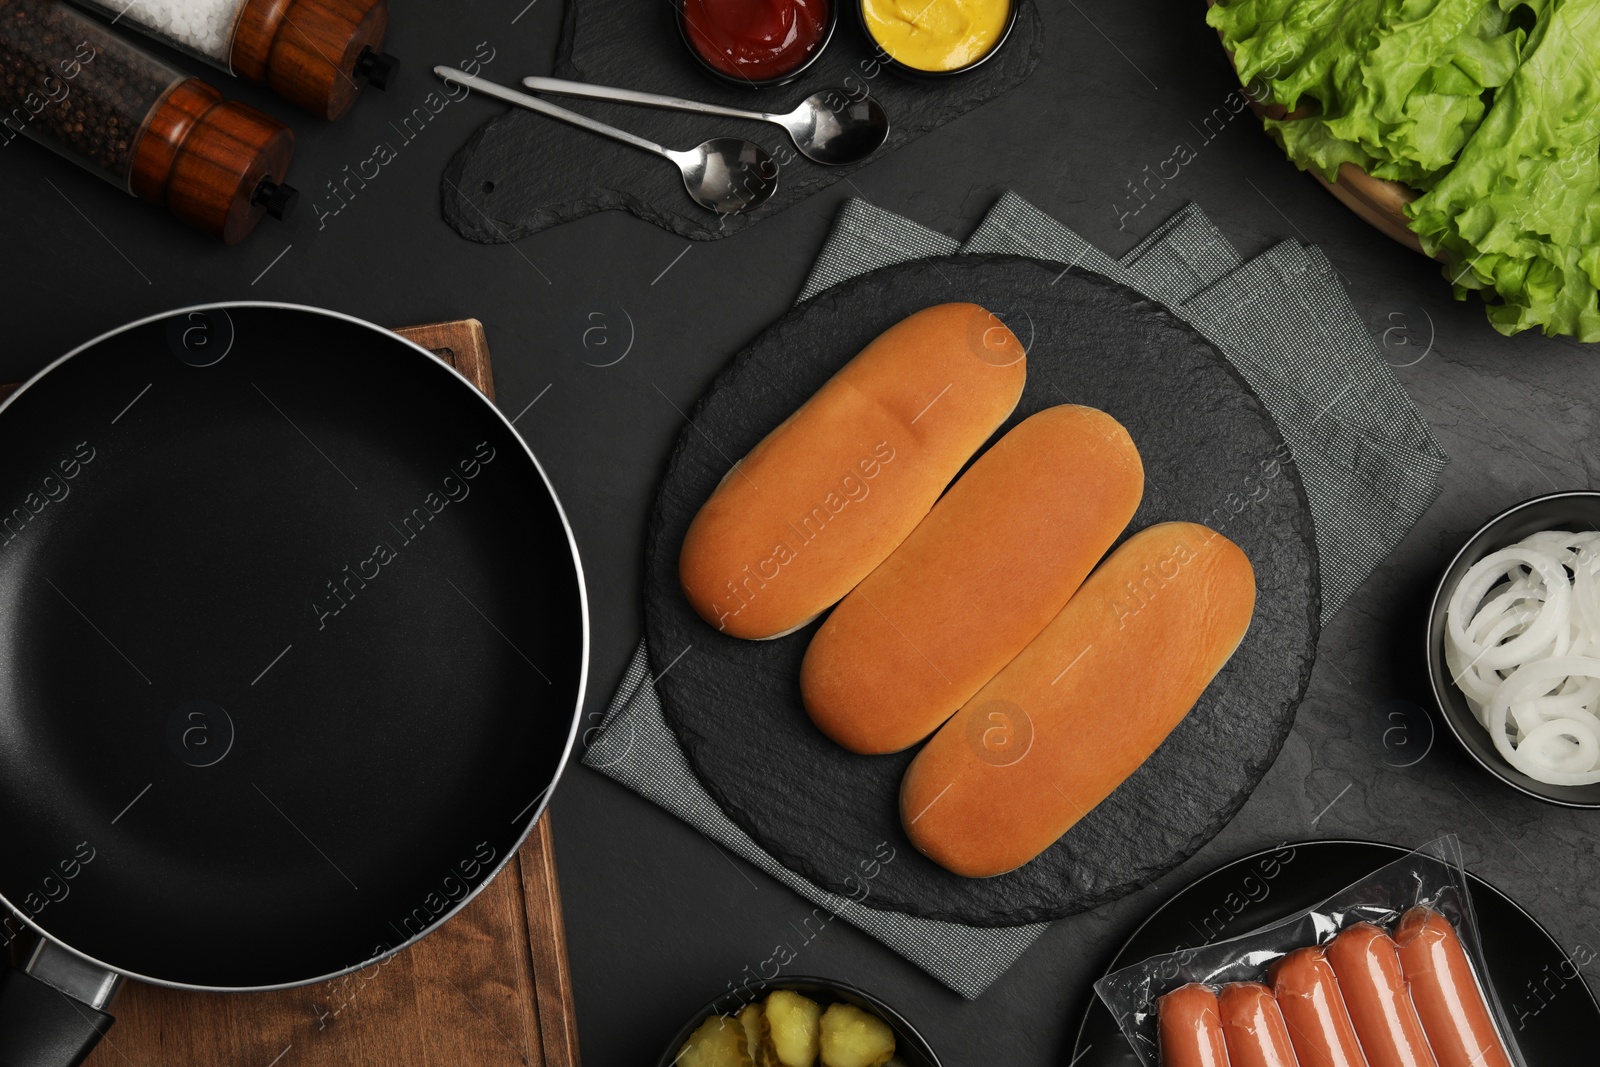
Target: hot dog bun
<point x="1191" y="1028"/>
<point x="822" y="499"/>
<point x="1444" y="991"/>
<point x="993" y="562"/>
<point x="1083" y="705"/>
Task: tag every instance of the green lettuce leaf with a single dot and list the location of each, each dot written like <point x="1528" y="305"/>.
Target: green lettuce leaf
<point x="1394" y="86"/>
<point x="1518" y="216"/>
<point x="1497" y="125"/>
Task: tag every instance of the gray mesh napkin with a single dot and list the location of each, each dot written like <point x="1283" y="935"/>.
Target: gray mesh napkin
<point x="1369" y="463"/>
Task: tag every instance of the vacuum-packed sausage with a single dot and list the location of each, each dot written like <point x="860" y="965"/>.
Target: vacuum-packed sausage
<point x="1191" y="1028"/>
<point x="1368" y="968"/>
<point x="1253" y="1027"/>
<point x="1446" y="994"/>
<point x="1319" y="1024"/>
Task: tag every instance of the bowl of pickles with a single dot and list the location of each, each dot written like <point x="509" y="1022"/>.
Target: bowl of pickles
<point x="798" y="1022"/>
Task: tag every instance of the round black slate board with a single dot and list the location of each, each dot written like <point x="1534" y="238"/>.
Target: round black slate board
<point x="1209" y="450"/>
<point x="1521" y="955"/>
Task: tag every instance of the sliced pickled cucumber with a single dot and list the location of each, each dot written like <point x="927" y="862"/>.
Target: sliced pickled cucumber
<point x="791" y="1028"/>
<point x="717" y="1042"/>
<point x="850" y="1037"/>
<point x="750" y="1019"/>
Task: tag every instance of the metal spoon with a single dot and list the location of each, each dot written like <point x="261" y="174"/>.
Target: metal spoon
<point x="833" y="127"/>
<point x="725" y="174"/>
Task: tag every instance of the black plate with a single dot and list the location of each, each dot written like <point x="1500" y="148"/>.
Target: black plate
<point x="1579" y="510"/>
<point x="226" y="760"/>
<point x="1536" y="982"/>
<point x="1205" y="439"/>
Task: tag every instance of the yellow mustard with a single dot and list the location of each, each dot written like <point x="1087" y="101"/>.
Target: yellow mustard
<point x="936" y="34"/>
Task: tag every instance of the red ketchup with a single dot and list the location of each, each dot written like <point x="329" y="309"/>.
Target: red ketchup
<point x="755" y="39"/>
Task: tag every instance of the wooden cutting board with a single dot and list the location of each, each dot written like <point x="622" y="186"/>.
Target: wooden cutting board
<point x="488" y="988"/>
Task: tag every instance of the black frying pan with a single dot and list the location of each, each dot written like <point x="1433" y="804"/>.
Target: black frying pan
<point x="292" y="642"/>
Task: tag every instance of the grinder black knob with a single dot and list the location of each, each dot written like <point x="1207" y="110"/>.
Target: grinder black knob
<point x="279" y="198"/>
<point x="380" y="69"/>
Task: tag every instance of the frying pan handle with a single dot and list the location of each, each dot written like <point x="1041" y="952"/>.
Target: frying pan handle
<point x="50" y="1013"/>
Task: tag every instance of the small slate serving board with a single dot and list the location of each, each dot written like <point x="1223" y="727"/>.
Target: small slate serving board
<point x="522" y="172"/>
<point x="1211" y="454"/>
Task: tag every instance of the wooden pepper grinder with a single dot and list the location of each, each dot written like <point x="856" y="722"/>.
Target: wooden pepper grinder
<point x="314" y="53"/>
<point x="71" y="83"/>
<point x="217" y="165"/>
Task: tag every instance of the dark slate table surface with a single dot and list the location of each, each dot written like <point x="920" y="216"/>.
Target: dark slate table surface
<point x="659" y="919"/>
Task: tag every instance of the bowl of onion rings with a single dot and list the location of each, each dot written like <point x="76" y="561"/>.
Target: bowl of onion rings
<point x="1514" y="647"/>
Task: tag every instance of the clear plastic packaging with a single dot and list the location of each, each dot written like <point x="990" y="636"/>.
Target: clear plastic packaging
<point x="1432" y="877"/>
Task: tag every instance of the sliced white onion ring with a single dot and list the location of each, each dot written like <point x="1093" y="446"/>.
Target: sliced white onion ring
<point x="1522" y="643"/>
<point x="1484" y="575"/>
<point x="1527" y="678"/>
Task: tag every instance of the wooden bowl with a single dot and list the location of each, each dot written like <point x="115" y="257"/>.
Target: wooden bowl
<point x="1378" y="202"/>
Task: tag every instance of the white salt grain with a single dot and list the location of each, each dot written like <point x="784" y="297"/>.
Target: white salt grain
<point x="201" y="26"/>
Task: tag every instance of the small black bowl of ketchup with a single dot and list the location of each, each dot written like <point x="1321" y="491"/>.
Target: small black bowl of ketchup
<point x="756" y="43"/>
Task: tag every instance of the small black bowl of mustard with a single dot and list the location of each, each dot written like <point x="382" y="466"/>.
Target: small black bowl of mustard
<point x="936" y="38"/>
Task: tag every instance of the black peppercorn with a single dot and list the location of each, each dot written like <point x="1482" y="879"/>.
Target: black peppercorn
<point x="74" y="84"/>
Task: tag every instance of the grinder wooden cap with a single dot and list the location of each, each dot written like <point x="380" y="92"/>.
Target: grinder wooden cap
<point x="314" y="53"/>
<point x="216" y="164"/>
